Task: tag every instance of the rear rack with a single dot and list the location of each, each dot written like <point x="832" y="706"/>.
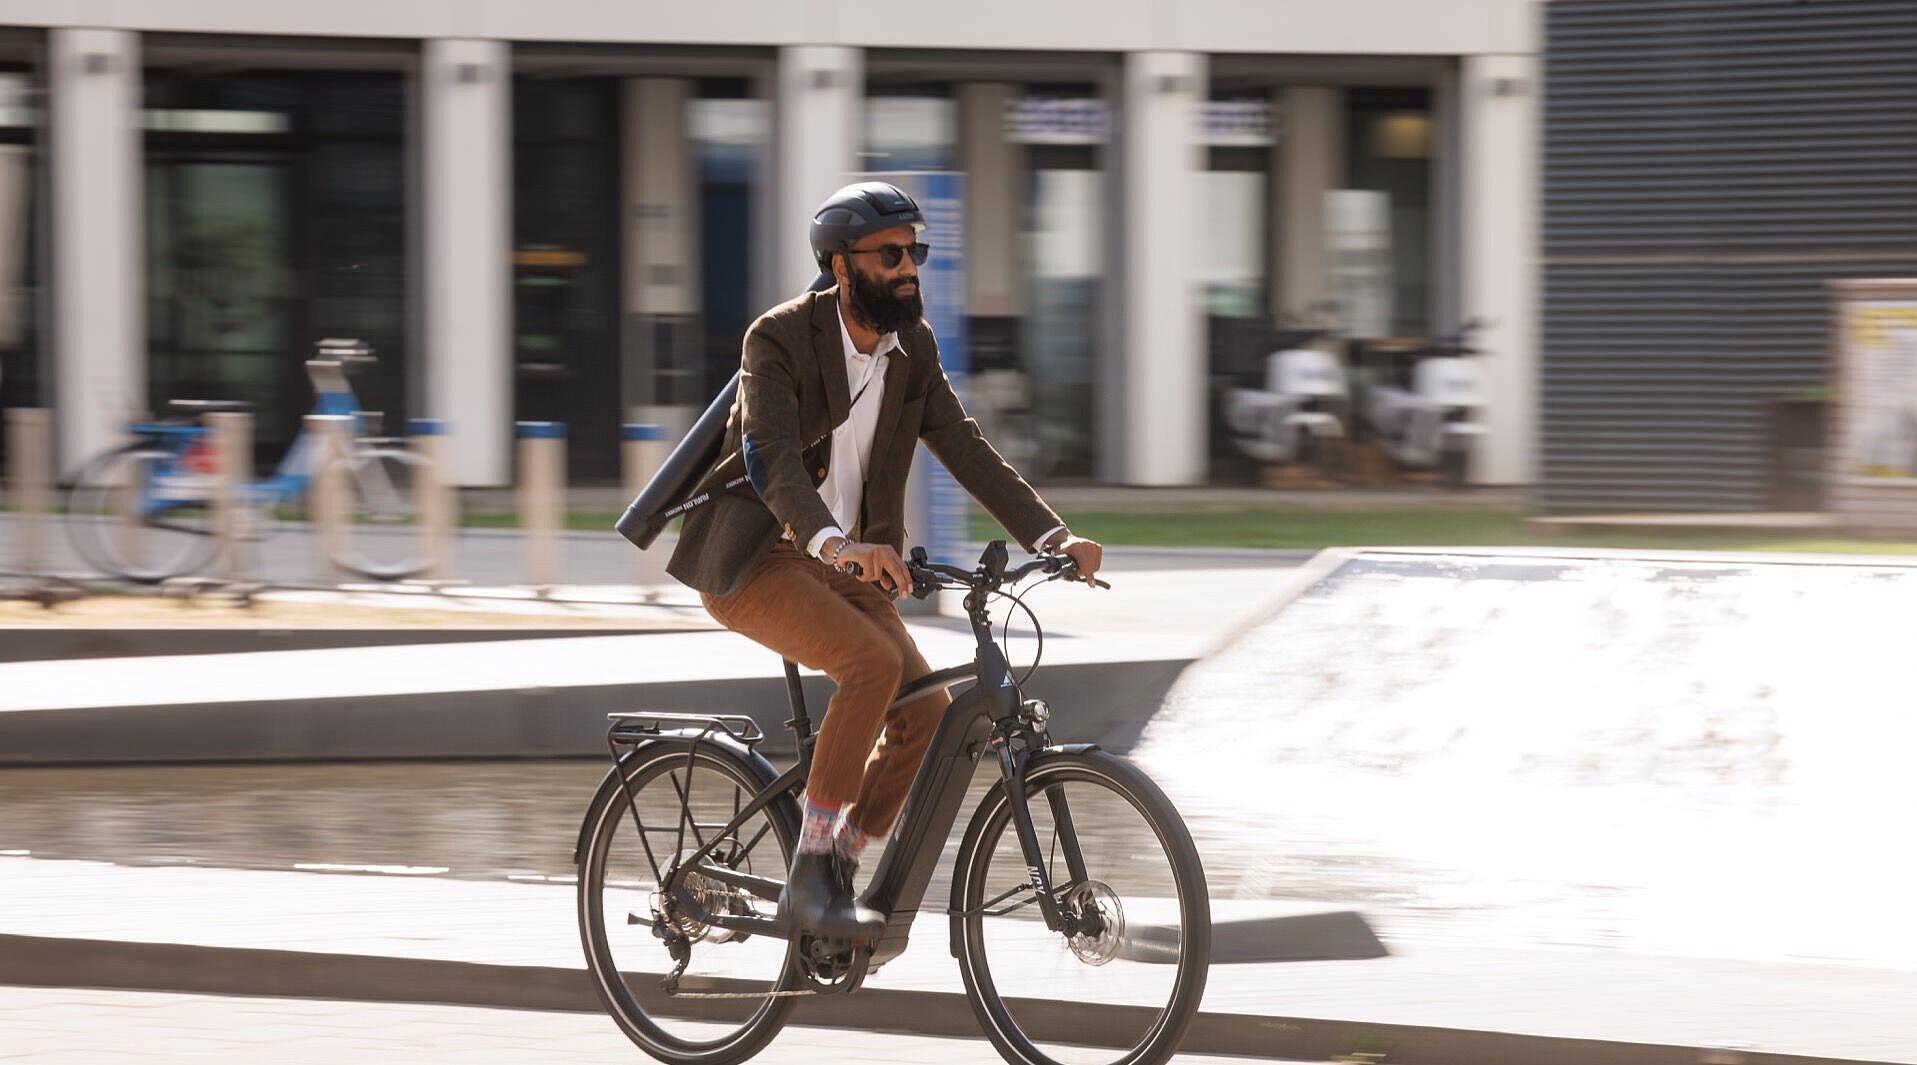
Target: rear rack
<point x="633" y="725"/>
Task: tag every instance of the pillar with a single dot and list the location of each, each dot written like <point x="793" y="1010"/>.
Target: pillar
<point x="466" y="143"/>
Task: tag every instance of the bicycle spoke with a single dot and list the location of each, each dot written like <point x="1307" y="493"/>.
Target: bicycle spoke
<point x="636" y="933"/>
<point x="1121" y="876"/>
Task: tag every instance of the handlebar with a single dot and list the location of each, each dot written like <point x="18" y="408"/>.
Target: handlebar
<point x="929" y="577"/>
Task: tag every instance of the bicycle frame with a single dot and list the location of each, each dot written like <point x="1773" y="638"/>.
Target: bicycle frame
<point x="332" y="395"/>
<point x="986" y="716"/>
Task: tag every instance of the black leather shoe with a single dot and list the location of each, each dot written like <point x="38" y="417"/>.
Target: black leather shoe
<point x="818" y="899"/>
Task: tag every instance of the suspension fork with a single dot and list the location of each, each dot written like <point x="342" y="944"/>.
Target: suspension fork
<point x="1013" y="759"/>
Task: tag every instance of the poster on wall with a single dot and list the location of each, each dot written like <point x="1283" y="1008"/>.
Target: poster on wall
<point x="1880" y="442"/>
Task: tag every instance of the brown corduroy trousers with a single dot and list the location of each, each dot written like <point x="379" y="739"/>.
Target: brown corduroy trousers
<point x="847" y="629"/>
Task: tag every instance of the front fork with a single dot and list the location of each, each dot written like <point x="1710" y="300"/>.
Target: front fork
<point x="1014" y="742"/>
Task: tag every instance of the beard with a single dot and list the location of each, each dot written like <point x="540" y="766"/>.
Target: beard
<point x="879" y="306"/>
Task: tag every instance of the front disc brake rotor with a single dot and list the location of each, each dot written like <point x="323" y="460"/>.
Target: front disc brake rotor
<point x="1096" y="904"/>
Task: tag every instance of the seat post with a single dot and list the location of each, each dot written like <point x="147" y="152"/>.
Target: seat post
<point x="801" y="722"/>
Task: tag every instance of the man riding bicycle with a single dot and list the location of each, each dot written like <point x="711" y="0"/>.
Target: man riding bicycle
<point x="836" y="388"/>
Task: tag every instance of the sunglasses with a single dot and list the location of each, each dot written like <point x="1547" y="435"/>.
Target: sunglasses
<point x="890" y="254"/>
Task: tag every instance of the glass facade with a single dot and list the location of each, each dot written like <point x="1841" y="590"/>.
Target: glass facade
<point x="1388" y="158"/>
<point x="22" y="369"/>
<point x="566" y="263"/>
<point x="275" y="216"/>
<point x="1032" y="361"/>
<point x="730" y="131"/>
<point x="633" y="267"/>
<point x="278" y="187"/>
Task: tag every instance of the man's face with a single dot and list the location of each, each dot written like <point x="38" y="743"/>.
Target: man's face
<point x="883" y="300"/>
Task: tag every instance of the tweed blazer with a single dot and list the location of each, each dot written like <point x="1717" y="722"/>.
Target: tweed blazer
<point x="792" y="393"/>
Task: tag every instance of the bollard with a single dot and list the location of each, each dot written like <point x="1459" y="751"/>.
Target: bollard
<point x="326" y="491"/>
<point x="542" y="473"/>
<point x="30" y="457"/>
<point x="433" y="496"/>
<point x="645" y="451"/>
<point x="233" y="451"/>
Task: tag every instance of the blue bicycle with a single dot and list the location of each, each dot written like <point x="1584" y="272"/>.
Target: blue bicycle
<point x="147" y="511"/>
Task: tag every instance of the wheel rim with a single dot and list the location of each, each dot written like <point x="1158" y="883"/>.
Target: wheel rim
<point x="1111" y="993"/>
<point x="620" y="890"/>
<point x="138" y="516"/>
<point x="385" y="536"/>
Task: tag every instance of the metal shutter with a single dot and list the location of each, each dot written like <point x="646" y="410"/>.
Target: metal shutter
<point x="1708" y="165"/>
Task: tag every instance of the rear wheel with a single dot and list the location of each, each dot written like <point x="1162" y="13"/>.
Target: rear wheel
<point x="1123" y="985"/>
<point x="137" y="513"/>
<point x="630" y="930"/>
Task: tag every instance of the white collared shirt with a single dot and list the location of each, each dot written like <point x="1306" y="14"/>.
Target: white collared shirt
<point x="844" y="486"/>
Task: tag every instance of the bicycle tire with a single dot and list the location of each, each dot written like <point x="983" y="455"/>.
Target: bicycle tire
<point x="104" y="534"/>
<point x="1034" y="1029"/>
<point x="645" y="1020"/>
<point x="383" y="540"/>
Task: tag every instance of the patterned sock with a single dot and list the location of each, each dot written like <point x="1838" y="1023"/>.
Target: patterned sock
<point x="849" y="840"/>
<point x="815" y="828"/>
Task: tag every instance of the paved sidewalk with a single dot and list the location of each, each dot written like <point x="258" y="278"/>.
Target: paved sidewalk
<point x="412" y="938"/>
<point x="68" y="1026"/>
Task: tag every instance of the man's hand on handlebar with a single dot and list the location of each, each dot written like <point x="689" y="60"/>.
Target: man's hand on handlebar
<point x="875" y="564"/>
<point x="1088" y="555"/>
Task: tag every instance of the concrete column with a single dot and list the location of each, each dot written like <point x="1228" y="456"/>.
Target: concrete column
<point x="435" y="501"/>
<point x="1311" y="162"/>
<point x="1444" y="254"/>
<point x="645" y="449"/>
<point x="660" y="206"/>
<point x="542" y="498"/>
<point x="1162" y="428"/>
<point x="29" y="473"/>
<point x="466" y="134"/>
<point x="233" y="441"/>
<point x="1499" y="234"/>
<point x="99" y="319"/>
<point x="327" y="503"/>
<point x="820" y="92"/>
<point x="992" y="212"/>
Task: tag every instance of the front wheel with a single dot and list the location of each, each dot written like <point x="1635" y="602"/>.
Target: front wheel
<point x="1122" y="988"/>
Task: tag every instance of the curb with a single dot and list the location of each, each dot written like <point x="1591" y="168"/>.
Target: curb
<point x="1110" y="704"/>
<point x="54" y="962"/>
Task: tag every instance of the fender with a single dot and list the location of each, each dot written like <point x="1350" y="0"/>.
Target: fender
<point x="678" y="741"/>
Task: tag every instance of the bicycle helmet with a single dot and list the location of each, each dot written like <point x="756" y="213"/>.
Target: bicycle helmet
<point x="856" y="211"/>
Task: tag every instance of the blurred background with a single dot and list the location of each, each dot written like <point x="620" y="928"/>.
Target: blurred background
<point x="1231" y="282"/>
<point x="1631" y="209"/>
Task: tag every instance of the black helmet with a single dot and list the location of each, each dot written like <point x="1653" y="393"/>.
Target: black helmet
<point x="856" y="211"/>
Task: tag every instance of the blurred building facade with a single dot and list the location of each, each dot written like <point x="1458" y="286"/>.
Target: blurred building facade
<point x="1708" y="169"/>
<point x="570" y="210"/>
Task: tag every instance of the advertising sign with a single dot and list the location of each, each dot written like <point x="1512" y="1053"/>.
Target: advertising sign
<point x="1881" y="438"/>
<point x="937" y="508"/>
